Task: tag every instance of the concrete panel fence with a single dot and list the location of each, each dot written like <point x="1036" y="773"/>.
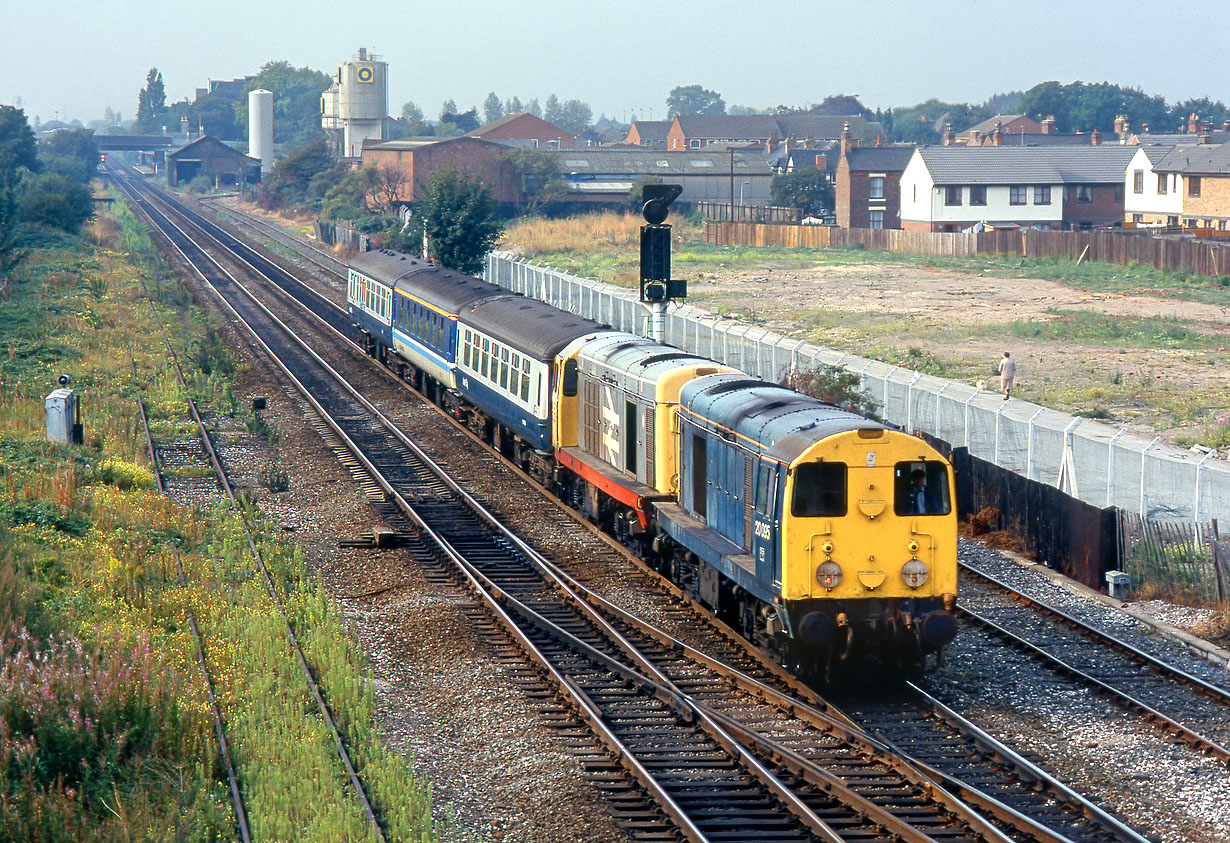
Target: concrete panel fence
<point x="1095" y="462"/>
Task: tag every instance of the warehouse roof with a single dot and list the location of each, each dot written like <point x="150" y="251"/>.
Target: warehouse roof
<point x="1026" y="165"/>
<point x="638" y="162"/>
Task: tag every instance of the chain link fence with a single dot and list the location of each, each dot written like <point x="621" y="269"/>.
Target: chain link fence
<point x="1095" y="462"/>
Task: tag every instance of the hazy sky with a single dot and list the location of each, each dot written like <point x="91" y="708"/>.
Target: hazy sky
<point x="77" y="58"/>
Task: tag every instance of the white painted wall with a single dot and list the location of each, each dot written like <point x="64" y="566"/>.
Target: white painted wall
<point x="1150" y="201"/>
<point x="923" y="201"/>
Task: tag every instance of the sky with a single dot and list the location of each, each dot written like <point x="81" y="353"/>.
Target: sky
<point x="61" y="59"/>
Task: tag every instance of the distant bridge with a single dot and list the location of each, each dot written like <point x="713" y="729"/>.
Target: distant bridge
<point x="115" y="143"/>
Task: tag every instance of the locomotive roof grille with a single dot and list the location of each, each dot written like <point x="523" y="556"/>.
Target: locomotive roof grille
<point x="731" y="386"/>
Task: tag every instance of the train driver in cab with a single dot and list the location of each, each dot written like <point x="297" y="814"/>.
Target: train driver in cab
<point x="918" y="497"/>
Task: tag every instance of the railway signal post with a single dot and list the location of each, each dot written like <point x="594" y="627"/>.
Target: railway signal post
<point x="657" y="287"/>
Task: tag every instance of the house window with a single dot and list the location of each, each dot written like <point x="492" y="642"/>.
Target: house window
<point x="1173" y="221"/>
<point x="1042" y="195"/>
<point x="876" y="219"/>
<point x="694" y="143"/>
<point x="1138" y="181"/>
<point x="1016" y="194"/>
<point x="952" y="195"/>
<point x="876" y="188"/>
<point x="1221" y="225"/>
<point x="978" y="195"/>
<point x="1138" y="218"/>
<point x="1193" y="185"/>
<point x="1161" y="184"/>
<point x="1084" y="193"/>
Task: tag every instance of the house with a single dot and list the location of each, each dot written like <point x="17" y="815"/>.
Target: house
<point x="604" y="175"/>
<point x="648" y="133"/>
<point x="867" y="187"/>
<point x="1179" y="184"/>
<point x="696" y="131"/>
<point x="1005" y="124"/>
<point x="211" y="157"/>
<point x="952" y="188"/>
<point x="530" y="130"/>
<point x="417" y="159"/>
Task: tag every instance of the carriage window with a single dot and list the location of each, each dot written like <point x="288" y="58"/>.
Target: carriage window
<point x="763" y="477"/>
<point x="504" y="369"/>
<point x="921" y="488"/>
<point x="525" y="379"/>
<point x="486" y="357"/>
<point x="819" y="490"/>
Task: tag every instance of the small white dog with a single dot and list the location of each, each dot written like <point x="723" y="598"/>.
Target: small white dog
<point x="981" y="385"/>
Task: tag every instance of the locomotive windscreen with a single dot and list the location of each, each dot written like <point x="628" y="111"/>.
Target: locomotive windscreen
<point x="819" y="490"/>
<point x="921" y="488"/>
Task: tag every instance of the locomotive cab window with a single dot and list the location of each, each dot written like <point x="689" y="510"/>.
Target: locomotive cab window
<point x="570" y="378"/>
<point x="819" y="490"/>
<point x="921" y="488"/>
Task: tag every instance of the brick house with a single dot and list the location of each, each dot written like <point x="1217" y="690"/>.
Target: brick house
<point x="1180" y="184"/>
<point x="524" y="126"/>
<point x="696" y="131"/>
<point x="211" y="157"/>
<point x="648" y="133"/>
<point x="867" y="190"/>
<point x="419" y="159"/>
<point x="952" y="188"/>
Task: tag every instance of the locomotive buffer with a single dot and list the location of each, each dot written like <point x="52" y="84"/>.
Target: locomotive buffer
<point x="657" y="287"/>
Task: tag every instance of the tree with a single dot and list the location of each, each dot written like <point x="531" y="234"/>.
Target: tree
<point x="1212" y="111"/>
<point x="151" y="102"/>
<point x="841" y="104"/>
<point x="466" y="121"/>
<point x="387" y="186"/>
<point x="541" y="187"/>
<point x="493" y="109"/>
<point x="552" y="111"/>
<point x="1085" y="107"/>
<point x="636" y="195"/>
<point x="18" y="153"/>
<point x="459" y="216"/>
<point x="532" y="107"/>
<point x="447" y="107"/>
<point x="574" y="116"/>
<point x="55" y="200"/>
<point x="808" y="189"/>
<point x="290" y="182"/>
<point x="71" y="152"/>
<point x="514" y="106"/>
<point x="349" y="199"/>
<point x="693" y="99"/>
<point x="296" y="101"/>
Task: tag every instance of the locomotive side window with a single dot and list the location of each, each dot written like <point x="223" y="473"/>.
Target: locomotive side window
<point x="570" y="378"/>
<point x="764" y="476"/>
<point x="819" y="490"/>
<point x="921" y="488"/>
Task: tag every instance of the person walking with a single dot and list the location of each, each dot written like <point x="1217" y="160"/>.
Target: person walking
<point x="1007" y="374"/>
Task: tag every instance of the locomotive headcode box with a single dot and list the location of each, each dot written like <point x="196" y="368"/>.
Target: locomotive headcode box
<point x="61" y="408"/>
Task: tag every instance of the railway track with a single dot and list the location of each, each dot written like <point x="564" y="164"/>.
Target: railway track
<point x="356" y="783"/>
<point x="1192" y="709"/>
<point x="313" y="254"/>
<point x="665" y="682"/>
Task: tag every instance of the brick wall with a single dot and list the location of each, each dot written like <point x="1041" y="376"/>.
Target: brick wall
<point x="1105" y="207"/>
<point x="468" y="155"/>
<point x="1213" y="201"/>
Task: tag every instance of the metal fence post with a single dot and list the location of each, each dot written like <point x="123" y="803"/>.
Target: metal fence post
<point x="909" y="403"/>
<point x="965" y="412"/>
<point x="886" y="378"/>
<point x="1110" y="467"/>
<point x="1029" y="448"/>
<point x="1144" y="458"/>
<point x="939" y="428"/>
<point x="998" y="412"/>
<point x="1196" y="500"/>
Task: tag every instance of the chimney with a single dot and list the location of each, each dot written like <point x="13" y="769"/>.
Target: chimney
<point x="807" y="142"/>
<point x="1144" y="128"/>
<point x="1193" y="124"/>
<point x="772" y="143"/>
<point x="362" y="54"/>
<point x="786" y="144"/>
<point x="1120" y="124"/>
<point x="1048" y="125"/>
<point x="997" y="137"/>
<point x="1096" y="137"/>
<point x="948" y="137"/>
<point x="1225" y="125"/>
<point x="822" y="161"/>
<point x="879" y="141"/>
<point x="1204" y="136"/>
<point x="975" y="137"/>
<point x="183" y="125"/>
<point x="847" y="142"/>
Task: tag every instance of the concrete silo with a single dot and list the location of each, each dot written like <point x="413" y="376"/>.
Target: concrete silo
<point x="356" y="105"/>
<point x="260" y="128"/>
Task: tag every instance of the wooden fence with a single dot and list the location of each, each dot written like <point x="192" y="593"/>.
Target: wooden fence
<point x="749" y="213"/>
<point x="1174" y="253"/>
<point x="1175" y="557"/>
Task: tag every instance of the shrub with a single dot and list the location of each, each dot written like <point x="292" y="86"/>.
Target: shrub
<point x="833" y="385"/>
<point x="123" y="475"/>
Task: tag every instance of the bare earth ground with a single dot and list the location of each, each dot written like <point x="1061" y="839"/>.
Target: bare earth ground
<point x="954" y="323"/>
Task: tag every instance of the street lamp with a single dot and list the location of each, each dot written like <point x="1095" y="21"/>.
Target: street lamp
<point x="741" y="186"/>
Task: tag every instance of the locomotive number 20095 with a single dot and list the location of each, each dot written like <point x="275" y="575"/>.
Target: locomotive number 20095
<point x="764" y="530"/>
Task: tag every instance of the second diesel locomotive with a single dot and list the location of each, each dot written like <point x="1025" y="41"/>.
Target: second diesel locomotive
<point x="819" y="534"/>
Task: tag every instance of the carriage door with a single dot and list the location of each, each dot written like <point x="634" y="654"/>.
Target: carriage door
<point x="700" y="478"/>
<point x="766" y="530"/>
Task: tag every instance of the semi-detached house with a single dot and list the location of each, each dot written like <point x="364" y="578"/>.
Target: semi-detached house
<point x="953" y="188"/>
<point x="1179" y="184"/>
